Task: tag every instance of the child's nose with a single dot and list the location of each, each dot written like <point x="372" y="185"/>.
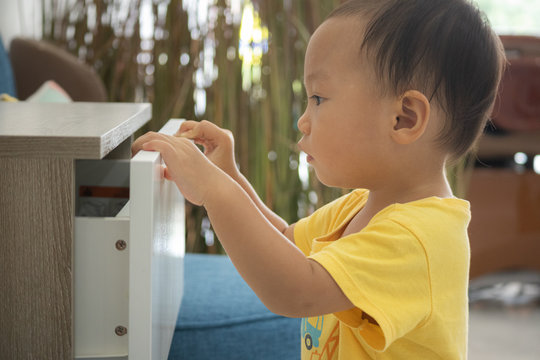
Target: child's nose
<point x="303" y="124"/>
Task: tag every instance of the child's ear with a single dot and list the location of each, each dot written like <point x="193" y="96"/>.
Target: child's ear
<point x="412" y="119"/>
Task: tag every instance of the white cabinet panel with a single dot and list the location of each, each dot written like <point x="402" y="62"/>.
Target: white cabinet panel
<point x="140" y="287"/>
<point x="156" y="272"/>
<point x="101" y="286"/>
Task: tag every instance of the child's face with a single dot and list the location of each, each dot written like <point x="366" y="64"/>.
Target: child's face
<point x="346" y="123"/>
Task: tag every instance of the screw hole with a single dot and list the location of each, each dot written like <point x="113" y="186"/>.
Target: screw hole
<point x="120" y="330"/>
<point x="121" y="245"/>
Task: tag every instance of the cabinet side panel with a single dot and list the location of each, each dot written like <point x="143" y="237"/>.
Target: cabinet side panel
<point x="36" y="232"/>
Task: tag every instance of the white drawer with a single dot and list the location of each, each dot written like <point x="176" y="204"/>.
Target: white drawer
<point x="138" y="288"/>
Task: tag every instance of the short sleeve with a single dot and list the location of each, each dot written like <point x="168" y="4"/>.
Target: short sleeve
<point x="327" y="218"/>
<point x="383" y="271"/>
<point x="315" y="225"/>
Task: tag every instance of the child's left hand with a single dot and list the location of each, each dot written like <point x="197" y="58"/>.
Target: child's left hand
<point x="186" y="164"/>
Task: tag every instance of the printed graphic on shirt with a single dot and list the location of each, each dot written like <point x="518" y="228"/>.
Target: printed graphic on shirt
<point x="319" y="339"/>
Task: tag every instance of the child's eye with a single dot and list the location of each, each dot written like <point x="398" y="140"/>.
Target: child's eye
<point x="317" y="99"/>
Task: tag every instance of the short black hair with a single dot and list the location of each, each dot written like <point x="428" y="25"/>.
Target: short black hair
<point x="444" y="48"/>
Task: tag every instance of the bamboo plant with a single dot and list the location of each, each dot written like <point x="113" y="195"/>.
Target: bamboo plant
<point x="164" y="67"/>
<point x="161" y="69"/>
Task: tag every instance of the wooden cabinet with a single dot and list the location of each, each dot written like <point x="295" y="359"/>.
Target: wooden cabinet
<point x="85" y="286"/>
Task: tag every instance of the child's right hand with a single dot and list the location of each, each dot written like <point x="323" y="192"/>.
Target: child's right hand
<point x="218" y="143"/>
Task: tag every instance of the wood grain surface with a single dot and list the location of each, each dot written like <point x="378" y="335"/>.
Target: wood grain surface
<point x="36" y="224"/>
<point x="74" y="130"/>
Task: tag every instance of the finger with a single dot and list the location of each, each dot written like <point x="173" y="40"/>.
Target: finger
<point x="164" y="147"/>
<point x="137" y="144"/>
<point x="190" y="134"/>
<point x="201" y="131"/>
<point x="168" y="144"/>
<point x="151" y="135"/>
<point x="215" y="134"/>
<point x="209" y="130"/>
<point x="166" y="173"/>
<point x="186" y="127"/>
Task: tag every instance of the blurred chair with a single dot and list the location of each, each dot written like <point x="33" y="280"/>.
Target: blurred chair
<point x="36" y="61"/>
<point x="505" y="201"/>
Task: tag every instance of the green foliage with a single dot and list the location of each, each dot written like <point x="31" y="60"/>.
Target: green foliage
<point x="105" y="34"/>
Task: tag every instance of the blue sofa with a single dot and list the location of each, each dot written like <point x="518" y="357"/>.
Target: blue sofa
<point x="221" y="317"/>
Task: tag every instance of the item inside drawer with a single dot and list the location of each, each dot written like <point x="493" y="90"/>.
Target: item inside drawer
<point x="101" y="187"/>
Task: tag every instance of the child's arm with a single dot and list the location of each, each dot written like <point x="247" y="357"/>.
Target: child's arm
<point x="219" y="148"/>
<point x="285" y="280"/>
<point x="276" y="220"/>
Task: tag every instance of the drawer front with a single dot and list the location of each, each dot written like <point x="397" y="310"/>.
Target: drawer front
<point x="156" y="252"/>
<point x="129" y="267"/>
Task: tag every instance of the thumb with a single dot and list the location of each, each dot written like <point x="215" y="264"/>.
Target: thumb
<point x="166" y="174"/>
<point x="187" y="129"/>
<point x="190" y="134"/>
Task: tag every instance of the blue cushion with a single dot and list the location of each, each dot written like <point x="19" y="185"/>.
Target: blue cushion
<point x="221" y="317"/>
<point x="7" y="84"/>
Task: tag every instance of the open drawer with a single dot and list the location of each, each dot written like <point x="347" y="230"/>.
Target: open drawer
<point x="128" y="257"/>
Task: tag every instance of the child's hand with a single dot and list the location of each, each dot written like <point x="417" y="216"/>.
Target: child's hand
<point x="192" y="172"/>
<point x="218" y="143"/>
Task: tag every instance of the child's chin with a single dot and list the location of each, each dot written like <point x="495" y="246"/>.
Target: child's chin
<point x="332" y="181"/>
<point x="328" y="180"/>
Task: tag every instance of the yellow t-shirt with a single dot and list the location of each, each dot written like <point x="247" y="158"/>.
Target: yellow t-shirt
<point x="408" y="270"/>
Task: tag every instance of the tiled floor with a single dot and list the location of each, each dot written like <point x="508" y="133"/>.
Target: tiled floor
<point x="507" y="326"/>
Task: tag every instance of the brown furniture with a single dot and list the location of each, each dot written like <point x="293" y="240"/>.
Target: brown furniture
<point x="505" y="226"/>
<point x="505" y="201"/>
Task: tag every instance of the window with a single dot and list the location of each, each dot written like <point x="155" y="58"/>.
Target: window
<point x="513" y="17"/>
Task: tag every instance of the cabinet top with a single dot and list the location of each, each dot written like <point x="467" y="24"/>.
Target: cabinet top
<point x="76" y="130"/>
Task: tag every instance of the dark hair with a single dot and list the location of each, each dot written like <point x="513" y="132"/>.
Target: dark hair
<point x="444" y="48"/>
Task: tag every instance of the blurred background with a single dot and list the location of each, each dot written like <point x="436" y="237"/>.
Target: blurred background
<point x="239" y="64"/>
<point x="236" y="63"/>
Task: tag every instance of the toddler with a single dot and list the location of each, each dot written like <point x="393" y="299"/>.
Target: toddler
<point x="397" y="89"/>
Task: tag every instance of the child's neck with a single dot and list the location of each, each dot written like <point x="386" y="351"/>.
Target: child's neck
<point x="409" y="186"/>
<point x="402" y="191"/>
